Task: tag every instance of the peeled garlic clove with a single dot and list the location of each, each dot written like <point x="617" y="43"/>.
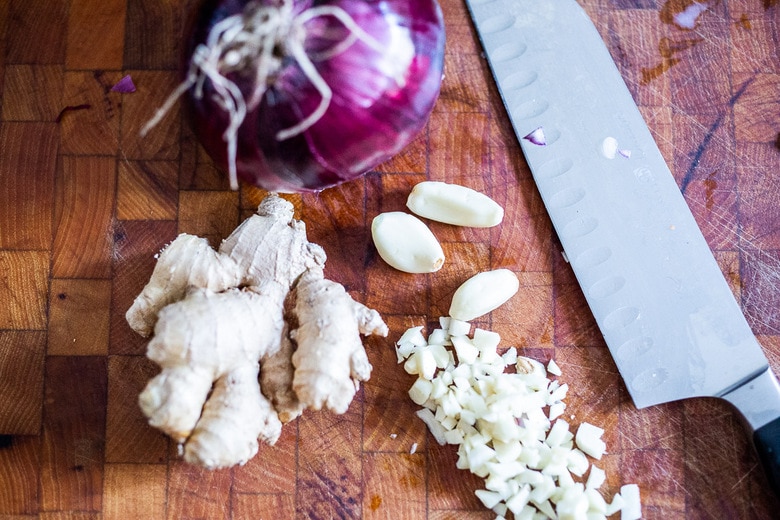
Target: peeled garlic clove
<point x="483" y="293"/>
<point x="406" y="243"/>
<point x="454" y="204"/>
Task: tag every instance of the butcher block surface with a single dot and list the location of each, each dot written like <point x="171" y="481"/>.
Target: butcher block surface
<point x="86" y="204"/>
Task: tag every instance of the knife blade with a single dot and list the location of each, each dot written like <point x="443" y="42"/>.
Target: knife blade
<point x="667" y="314"/>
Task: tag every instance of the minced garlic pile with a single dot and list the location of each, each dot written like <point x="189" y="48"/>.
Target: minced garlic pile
<point x="507" y="426"/>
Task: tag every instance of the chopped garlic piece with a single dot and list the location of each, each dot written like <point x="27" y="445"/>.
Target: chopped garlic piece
<point x="414" y="336"/>
<point x="553" y="368"/>
<point x="589" y="440"/>
<point x="596" y="477"/>
<point x="420" y="391"/>
<point x="556" y="410"/>
<point x="458" y="327"/>
<point x="632" y="510"/>
<point x="438" y="337"/>
<point x="465" y="349"/>
<point x="433" y="425"/>
<point x="489" y="498"/>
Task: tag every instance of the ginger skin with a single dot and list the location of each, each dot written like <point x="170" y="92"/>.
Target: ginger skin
<point x="220" y="330"/>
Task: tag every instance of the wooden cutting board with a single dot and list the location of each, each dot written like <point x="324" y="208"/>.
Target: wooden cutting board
<point x="85" y="204"/>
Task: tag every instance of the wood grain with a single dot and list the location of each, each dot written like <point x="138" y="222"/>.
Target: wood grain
<point x="86" y="203"/>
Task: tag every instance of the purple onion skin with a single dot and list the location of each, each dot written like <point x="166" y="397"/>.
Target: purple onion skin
<point x="371" y="117"/>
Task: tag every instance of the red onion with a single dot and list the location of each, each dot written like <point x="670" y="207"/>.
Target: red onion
<point x="537" y="137"/>
<point x="301" y="95"/>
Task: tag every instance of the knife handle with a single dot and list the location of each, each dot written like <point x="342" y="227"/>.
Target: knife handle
<point x="767" y="442"/>
<point x="758" y="400"/>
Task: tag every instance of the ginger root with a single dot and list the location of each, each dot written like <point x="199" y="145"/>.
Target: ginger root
<point x="247" y="337"/>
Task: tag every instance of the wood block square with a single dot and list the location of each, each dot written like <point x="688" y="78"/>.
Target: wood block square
<point x="759" y="211"/>
<point x="508" y="165"/>
<point x="526" y="245"/>
<point x="22" y="355"/>
<point x="410" y="291"/>
<point x="395" y="485"/>
<point x="67" y="515"/>
<point x="389" y="422"/>
<point x="637" y="44"/>
<point x="162" y="48"/>
<point x="461" y="36"/>
<point x="596" y="396"/>
<point x="412" y="159"/>
<point x="329" y="463"/>
<point x="273" y="469"/>
<point x="527" y="319"/>
<point x="32" y="93"/>
<point x="79" y="317"/>
<point x="25" y="288"/>
<point x="147" y="190"/>
<point x="461" y="157"/>
<point x="136" y="244"/>
<point x="263" y="506"/>
<point x="653" y="428"/>
<point x="129" y="437"/>
<point x="484" y="514"/>
<point x="197" y="168"/>
<point x="710" y="143"/>
<point x="756" y="118"/>
<point x="134" y="491"/>
<point x="73" y="441"/>
<point x="152" y="89"/>
<point x="759" y="296"/>
<point x="450" y="488"/>
<point x="661" y="125"/>
<point x="574" y="323"/>
<point x="748" y="31"/>
<point x="37" y="17"/>
<point x="715" y="438"/>
<point x="91" y="126"/>
<point x="347" y="250"/>
<point x="470" y="90"/>
<point x="395" y="191"/>
<point x="209" y="214"/>
<point x="27" y="169"/>
<point x="195" y="492"/>
<point x="96" y="34"/>
<point x="20" y="460"/>
<point x="713" y="199"/>
<point x="83" y="239"/>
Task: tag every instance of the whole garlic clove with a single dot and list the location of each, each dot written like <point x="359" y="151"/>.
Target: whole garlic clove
<point x="483" y="293"/>
<point x="454" y="204"/>
<point x="406" y="243"/>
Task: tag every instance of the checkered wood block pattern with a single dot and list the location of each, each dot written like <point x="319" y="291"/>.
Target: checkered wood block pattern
<point x="85" y="204"/>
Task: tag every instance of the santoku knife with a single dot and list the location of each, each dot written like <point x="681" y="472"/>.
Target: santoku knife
<point x="658" y="296"/>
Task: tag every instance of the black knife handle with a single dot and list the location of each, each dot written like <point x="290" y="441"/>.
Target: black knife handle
<point x="767" y="441"/>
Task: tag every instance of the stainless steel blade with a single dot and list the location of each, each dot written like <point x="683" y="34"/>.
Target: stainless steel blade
<point x="660" y="299"/>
